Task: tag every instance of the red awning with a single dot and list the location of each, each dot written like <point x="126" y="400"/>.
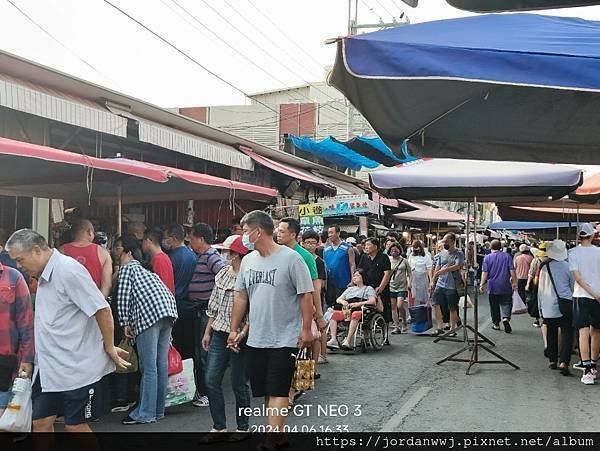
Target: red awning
<point x="42" y="171"/>
<point x="430" y="214"/>
<point x="295" y="173"/>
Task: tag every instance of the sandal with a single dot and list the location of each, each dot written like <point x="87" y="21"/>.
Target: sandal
<point x="437" y="333"/>
<point x="451" y="334"/>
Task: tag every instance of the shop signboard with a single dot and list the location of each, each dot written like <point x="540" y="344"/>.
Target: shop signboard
<point x="349" y="206"/>
<point x="311" y="217"/>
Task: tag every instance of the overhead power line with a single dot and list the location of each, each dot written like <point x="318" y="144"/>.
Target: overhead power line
<point x="284" y="33"/>
<point x="55" y="39"/>
<point x="188" y="56"/>
<point x="216" y="35"/>
<point x="371" y="10"/>
<point x="384" y="8"/>
<point x="195" y="19"/>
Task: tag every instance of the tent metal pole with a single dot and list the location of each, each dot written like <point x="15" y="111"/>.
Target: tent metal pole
<point x="577" y="227"/>
<point x="119" y="210"/>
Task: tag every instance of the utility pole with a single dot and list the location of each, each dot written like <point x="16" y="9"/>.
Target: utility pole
<point x="353" y="27"/>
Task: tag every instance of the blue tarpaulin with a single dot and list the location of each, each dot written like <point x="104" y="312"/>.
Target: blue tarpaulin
<point x="535" y="225"/>
<point x="359" y="152"/>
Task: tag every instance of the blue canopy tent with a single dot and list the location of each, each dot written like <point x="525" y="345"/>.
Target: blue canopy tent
<point x="514" y="87"/>
<point x="530" y="225"/>
<point x="368" y="152"/>
<point x="487" y="6"/>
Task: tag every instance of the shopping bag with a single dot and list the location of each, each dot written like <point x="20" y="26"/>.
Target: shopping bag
<point x="17" y="416"/>
<point x="304" y="373"/>
<point x="519" y="306"/>
<point x="132" y="358"/>
<point x="461" y="303"/>
<point x="181" y="387"/>
<point x="421" y="318"/>
<point x="175" y="362"/>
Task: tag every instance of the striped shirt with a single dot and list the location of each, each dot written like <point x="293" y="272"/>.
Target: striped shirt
<point x="207" y="267"/>
<point x="16" y="316"/>
<point x="142" y="298"/>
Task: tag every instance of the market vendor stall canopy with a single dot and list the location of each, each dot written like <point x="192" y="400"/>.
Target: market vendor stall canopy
<point x="558" y="210"/>
<point x="513" y="87"/>
<point x="589" y="191"/>
<point x="531" y="225"/>
<point x="430" y="214"/>
<point x="41" y="171"/>
<point x="461" y="180"/>
<point x="488" y="6"/>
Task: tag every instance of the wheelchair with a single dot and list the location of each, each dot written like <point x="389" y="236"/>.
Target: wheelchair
<point x="372" y="331"/>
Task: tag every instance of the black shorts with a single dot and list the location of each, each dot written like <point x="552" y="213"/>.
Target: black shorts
<point x="586" y="312"/>
<point x="270" y="370"/>
<point x="78" y="406"/>
<point x="446" y="297"/>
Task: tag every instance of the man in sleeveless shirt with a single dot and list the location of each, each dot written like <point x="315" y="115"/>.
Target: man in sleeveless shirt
<point x="94" y="258"/>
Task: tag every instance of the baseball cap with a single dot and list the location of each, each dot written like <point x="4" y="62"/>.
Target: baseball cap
<point x="233" y="243"/>
<point x="586" y="230"/>
<point x="523" y="248"/>
<point x="351" y="240"/>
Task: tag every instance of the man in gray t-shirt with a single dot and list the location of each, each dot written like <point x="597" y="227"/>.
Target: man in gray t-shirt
<point x="275" y="288"/>
<point x="273" y="284"/>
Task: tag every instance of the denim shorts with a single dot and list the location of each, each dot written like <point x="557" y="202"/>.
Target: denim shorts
<point x="4" y="398"/>
<point x="444" y="296"/>
<point x="399" y="294"/>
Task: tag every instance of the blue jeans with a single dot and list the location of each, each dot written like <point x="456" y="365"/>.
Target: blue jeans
<point x="218" y="359"/>
<point x="199" y="326"/>
<point x="153" y="349"/>
<point x="500" y="307"/>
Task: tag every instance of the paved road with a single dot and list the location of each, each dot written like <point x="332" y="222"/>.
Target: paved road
<point x="402" y="389"/>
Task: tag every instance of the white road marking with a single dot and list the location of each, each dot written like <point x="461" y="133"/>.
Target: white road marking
<point x="405" y="410"/>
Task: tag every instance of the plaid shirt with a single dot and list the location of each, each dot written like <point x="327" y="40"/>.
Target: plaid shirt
<point x="221" y="300"/>
<point x="16" y="316"/>
<point x="142" y="298"/>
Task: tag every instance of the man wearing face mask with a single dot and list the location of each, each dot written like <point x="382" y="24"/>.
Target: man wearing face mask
<point x="447" y="274"/>
<point x="275" y="288"/>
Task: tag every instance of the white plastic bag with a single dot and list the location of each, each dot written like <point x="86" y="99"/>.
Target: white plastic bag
<point x="17" y="416"/>
<point x="519" y="306"/>
<point x="181" y="387"/>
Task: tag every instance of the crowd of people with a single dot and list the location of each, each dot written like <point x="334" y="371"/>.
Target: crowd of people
<point x="249" y="303"/>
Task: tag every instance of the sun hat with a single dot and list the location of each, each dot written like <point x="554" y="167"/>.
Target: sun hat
<point x="557" y="250"/>
<point x="586" y="230"/>
<point x="542" y="249"/>
<point x="523" y="248"/>
<point x="233" y="243"/>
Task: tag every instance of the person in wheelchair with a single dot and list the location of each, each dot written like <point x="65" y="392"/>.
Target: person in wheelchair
<point x="354" y="298"/>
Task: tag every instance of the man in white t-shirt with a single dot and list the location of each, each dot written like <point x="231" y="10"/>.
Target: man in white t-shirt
<point x="584" y="263"/>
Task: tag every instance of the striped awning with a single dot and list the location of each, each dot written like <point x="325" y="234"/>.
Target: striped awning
<point x="27" y="97"/>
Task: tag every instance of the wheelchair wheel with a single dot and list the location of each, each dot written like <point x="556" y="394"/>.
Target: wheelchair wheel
<point x="378" y="331"/>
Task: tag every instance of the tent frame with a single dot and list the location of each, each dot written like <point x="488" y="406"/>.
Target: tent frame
<point x="478" y="340"/>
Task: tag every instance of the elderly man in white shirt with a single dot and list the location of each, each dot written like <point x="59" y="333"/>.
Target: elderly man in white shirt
<point x="73" y="335"/>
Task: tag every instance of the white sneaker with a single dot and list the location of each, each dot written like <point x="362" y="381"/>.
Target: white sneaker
<point x="323" y="359"/>
<point x="333" y="344"/>
<point x="200" y="401"/>
<point x="594" y="372"/>
<point x="587" y="378"/>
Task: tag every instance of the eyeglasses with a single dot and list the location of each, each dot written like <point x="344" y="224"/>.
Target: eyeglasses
<point x="310" y="243"/>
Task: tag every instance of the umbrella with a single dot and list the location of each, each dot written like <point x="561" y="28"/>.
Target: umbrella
<point x="514" y="87"/>
<point x="531" y="225"/>
<point x="486" y="6"/>
<point x="430" y="214"/>
<point x="562" y="210"/>
<point x="589" y="191"/>
<point x="461" y="180"/>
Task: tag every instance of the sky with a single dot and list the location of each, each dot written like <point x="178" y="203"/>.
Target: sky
<point x="254" y="45"/>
